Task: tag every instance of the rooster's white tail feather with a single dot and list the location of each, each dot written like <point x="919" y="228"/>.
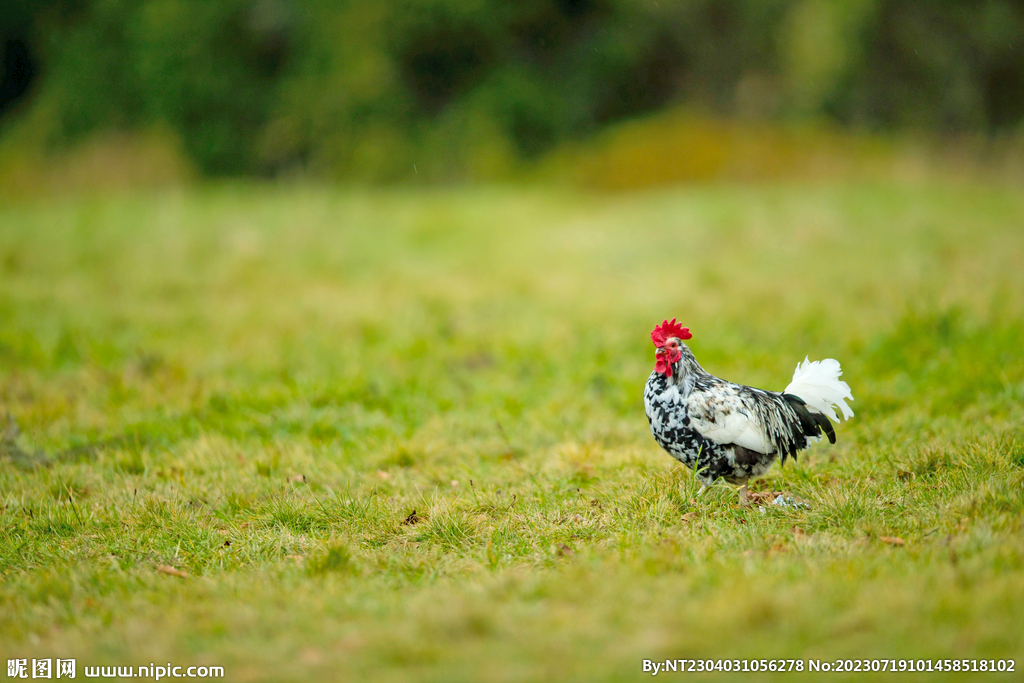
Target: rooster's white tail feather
<point x="818" y="384"/>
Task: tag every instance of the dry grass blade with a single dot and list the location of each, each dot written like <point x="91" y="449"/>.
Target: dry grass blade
<point x="892" y="540"/>
<point x="168" y="569"/>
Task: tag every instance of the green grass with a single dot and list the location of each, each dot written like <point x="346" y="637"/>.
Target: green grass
<point x="256" y="386"/>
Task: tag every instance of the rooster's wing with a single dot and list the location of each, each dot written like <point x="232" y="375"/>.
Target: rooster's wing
<point x="727" y="413"/>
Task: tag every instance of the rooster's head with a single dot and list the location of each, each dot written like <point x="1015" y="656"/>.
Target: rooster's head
<point x="668" y="338"/>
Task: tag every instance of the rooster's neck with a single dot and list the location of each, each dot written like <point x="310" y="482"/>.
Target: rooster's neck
<point x="685" y="371"/>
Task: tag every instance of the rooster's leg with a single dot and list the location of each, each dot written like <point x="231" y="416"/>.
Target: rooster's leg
<point x="744" y="495"/>
<point x="703" y="488"/>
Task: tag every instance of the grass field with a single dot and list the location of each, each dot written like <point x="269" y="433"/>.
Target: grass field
<point x="231" y="398"/>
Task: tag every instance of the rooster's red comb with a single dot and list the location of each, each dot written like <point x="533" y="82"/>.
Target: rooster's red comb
<point x="663" y="332"/>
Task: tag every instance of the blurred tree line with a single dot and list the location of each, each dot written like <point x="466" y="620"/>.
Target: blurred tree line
<point x="466" y="88"/>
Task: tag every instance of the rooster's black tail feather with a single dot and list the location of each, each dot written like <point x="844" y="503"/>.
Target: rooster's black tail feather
<point x="812" y="424"/>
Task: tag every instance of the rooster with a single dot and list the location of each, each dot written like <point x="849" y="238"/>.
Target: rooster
<point x="730" y="431"/>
